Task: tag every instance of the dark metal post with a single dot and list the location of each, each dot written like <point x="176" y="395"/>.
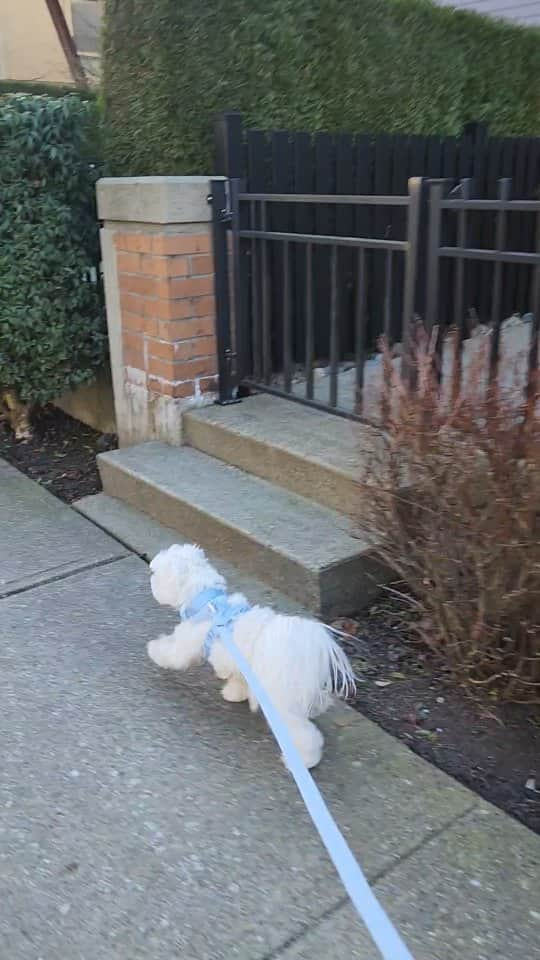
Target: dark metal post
<point x="388" y="291"/>
<point x="532" y="377"/>
<point x="437" y="189"/>
<point x="287" y="330"/>
<point x="360" y="323"/>
<point x="240" y="285"/>
<point x="476" y="130"/>
<point x="266" y="287"/>
<point x="459" y="296"/>
<point x="417" y="194"/>
<point x="228" y="145"/>
<point x="334" y="329"/>
<point x="310" y="334"/>
<point x="256" y="312"/>
<point x="220" y="220"/>
<point x="465" y="193"/>
<point x="496" y="295"/>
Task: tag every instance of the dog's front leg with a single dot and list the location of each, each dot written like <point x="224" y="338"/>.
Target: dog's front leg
<point x="181" y="649"/>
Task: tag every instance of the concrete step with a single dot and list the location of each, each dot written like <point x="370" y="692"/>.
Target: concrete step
<point x="145" y="536"/>
<point x="317" y="455"/>
<point x="301" y="548"/>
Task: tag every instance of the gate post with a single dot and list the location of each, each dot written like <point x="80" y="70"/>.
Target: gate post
<point x="433" y="319"/>
<point x="228" y="145"/>
<point x="221" y="219"/>
<point x="413" y="269"/>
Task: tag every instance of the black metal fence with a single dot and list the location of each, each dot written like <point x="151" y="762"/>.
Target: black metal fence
<point x="290" y="162"/>
<point x="269" y="281"/>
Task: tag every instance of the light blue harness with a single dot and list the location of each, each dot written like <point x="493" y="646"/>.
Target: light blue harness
<point x="214" y="604"/>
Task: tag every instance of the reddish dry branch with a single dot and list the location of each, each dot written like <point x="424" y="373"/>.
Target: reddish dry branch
<point x="457" y="507"/>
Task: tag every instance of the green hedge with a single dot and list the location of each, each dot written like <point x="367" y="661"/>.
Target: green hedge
<point x="52" y="331"/>
<point x="371" y="65"/>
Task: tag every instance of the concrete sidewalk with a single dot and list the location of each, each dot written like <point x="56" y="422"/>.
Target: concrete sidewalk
<point x="142" y="817"/>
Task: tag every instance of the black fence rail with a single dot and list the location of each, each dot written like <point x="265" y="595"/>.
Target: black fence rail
<point x="270" y="337"/>
<point x="291" y="162"/>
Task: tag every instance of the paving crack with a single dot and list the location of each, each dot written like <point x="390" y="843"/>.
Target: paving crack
<point x="306" y="928"/>
<point x="377" y="877"/>
<point x="424" y="842"/>
<point x="14" y="591"/>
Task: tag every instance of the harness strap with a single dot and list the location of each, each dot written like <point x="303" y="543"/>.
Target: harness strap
<point x="213" y="604"/>
<point x="202" y="600"/>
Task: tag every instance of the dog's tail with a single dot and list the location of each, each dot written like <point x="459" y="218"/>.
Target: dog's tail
<point x="302" y="664"/>
<point x="341" y="671"/>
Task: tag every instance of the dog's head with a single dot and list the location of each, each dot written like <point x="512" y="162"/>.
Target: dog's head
<point x="172" y="571"/>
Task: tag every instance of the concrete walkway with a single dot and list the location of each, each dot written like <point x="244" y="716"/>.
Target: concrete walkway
<point x="142" y="817"/>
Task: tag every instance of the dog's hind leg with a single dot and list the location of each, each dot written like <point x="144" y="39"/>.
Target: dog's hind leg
<point x="235" y="690"/>
<point x="307" y="739"/>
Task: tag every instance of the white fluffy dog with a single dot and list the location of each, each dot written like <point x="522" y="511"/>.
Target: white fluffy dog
<point x="296" y="660"/>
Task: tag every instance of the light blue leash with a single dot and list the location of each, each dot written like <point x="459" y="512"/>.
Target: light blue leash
<point x="379" y="925"/>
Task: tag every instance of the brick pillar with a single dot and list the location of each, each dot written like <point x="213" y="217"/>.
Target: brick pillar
<point x="159" y="288"/>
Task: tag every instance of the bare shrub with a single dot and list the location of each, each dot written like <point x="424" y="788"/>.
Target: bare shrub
<point x="455" y="508"/>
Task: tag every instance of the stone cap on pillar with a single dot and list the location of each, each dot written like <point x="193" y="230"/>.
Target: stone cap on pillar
<point x="158" y="200"/>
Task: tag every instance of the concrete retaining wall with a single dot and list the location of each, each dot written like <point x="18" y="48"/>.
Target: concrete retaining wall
<point x="92" y="403"/>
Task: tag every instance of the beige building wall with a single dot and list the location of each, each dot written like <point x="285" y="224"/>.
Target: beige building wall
<point x="29" y="47"/>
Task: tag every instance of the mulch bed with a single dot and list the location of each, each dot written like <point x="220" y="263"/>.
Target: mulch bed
<point x="491" y="747"/>
<point x="61" y="454"/>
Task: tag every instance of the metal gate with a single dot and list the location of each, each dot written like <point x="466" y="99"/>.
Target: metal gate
<point x="295" y="317"/>
<point x="290" y="304"/>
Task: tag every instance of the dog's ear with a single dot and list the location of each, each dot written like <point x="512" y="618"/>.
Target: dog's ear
<point x="177" y="559"/>
<point x="169" y="569"/>
<point x="189" y="553"/>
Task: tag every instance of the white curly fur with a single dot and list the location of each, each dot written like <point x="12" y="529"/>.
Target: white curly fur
<point x="296" y="659"/>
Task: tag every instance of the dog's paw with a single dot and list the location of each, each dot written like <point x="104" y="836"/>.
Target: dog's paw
<point x="159" y="651"/>
<point x="235" y="690"/>
<point x="308" y="740"/>
<point x="310" y="758"/>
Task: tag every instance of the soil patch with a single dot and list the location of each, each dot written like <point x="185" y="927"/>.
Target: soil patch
<point x="491" y="747"/>
<point x="61" y="454"/>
